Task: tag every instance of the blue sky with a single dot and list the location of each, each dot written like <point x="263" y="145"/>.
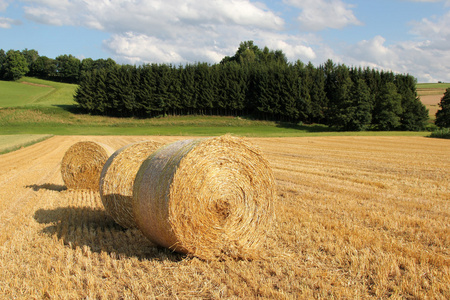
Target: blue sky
<point x="405" y="36"/>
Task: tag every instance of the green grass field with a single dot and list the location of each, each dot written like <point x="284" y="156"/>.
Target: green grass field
<point x="10" y="143"/>
<point x="35" y="106"/>
<point x="35" y="92"/>
<point x="433" y="86"/>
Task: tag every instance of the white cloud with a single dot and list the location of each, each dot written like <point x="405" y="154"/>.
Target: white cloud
<point x="140" y="48"/>
<point x="7" y="22"/>
<point x="373" y="52"/>
<point x="3" y="5"/>
<point x="293" y="46"/>
<point x="425" y="56"/>
<point x="317" y="15"/>
<point x="432" y="47"/>
<point x="151" y="17"/>
<point x="176" y="31"/>
<point x="419" y="58"/>
<point x="436" y="30"/>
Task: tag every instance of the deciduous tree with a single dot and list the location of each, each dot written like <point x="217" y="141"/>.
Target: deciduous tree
<point x="15" y="65"/>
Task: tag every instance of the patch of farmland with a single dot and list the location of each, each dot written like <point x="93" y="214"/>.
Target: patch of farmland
<point x="431" y="99"/>
<point x="356" y="217"/>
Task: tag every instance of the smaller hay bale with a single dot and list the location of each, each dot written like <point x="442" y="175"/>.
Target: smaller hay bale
<point x="117" y="179"/>
<point x="82" y="164"/>
<point x="212" y="198"/>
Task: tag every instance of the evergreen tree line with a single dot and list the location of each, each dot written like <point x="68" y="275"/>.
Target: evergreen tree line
<point x="335" y="95"/>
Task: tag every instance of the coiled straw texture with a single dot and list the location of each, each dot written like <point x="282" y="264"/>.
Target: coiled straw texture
<point x="117" y="179"/>
<point x="82" y="164"/>
<point x="207" y="197"/>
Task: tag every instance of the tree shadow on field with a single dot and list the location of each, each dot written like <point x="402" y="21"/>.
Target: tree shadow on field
<point x="313" y="128"/>
<point x="47" y="186"/>
<point x="74" y="109"/>
<point x="94" y="228"/>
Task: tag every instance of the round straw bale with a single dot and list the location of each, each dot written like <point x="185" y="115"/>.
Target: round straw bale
<point x="82" y="164"/>
<point x="211" y="198"/>
<point x="117" y="179"/>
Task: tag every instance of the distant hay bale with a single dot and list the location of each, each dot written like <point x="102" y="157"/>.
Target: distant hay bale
<point x="117" y="179"/>
<point x="82" y="164"/>
<point x="207" y="197"/>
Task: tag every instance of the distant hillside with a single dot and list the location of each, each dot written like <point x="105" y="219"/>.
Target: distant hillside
<point x="35" y="92"/>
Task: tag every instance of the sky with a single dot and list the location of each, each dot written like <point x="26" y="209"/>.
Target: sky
<point x="403" y="36"/>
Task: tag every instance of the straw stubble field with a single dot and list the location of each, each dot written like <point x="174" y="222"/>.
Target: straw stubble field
<point x="356" y="217"/>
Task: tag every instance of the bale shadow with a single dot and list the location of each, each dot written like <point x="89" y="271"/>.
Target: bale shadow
<point x="47" y="186"/>
<point x="94" y="228"/>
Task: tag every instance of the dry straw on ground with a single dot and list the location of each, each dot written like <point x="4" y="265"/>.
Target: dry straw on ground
<point x="207" y="197"/>
<point x="82" y="164"/>
<point x="117" y="179"/>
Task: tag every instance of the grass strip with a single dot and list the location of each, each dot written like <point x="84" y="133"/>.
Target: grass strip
<point x="9" y="143"/>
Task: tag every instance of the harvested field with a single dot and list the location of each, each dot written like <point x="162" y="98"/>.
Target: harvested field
<point x="431" y="99"/>
<point x="356" y="217"/>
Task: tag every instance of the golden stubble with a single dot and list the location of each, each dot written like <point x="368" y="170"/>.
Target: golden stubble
<point x="355" y="217"/>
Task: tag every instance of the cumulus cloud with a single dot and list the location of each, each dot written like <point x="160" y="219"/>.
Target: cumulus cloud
<point x="435" y="30"/>
<point x="294" y="46"/>
<point x="176" y="31"/>
<point x="7" y="22"/>
<point x="160" y="31"/>
<point x="140" y="48"/>
<point x="317" y="15"/>
<point x="196" y="46"/>
<point x="432" y="48"/>
<point x="374" y="53"/>
<point x="3" y="5"/>
<point x="150" y="17"/>
<point x="422" y="59"/>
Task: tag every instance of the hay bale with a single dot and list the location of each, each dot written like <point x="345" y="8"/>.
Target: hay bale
<point x="117" y="179"/>
<point x="82" y="164"/>
<point x="207" y="197"/>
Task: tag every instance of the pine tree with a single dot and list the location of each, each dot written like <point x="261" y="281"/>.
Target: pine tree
<point x="443" y="114"/>
<point x="414" y="114"/>
<point x="319" y="100"/>
<point x="341" y="105"/>
<point x="85" y="93"/>
<point x="303" y="83"/>
<point x="358" y="113"/>
<point x="387" y="108"/>
<point x="2" y="62"/>
<point x="187" y="93"/>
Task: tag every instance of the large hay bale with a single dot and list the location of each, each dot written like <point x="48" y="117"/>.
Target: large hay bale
<point x="117" y="179"/>
<point x="207" y="197"/>
<point x="82" y="164"/>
